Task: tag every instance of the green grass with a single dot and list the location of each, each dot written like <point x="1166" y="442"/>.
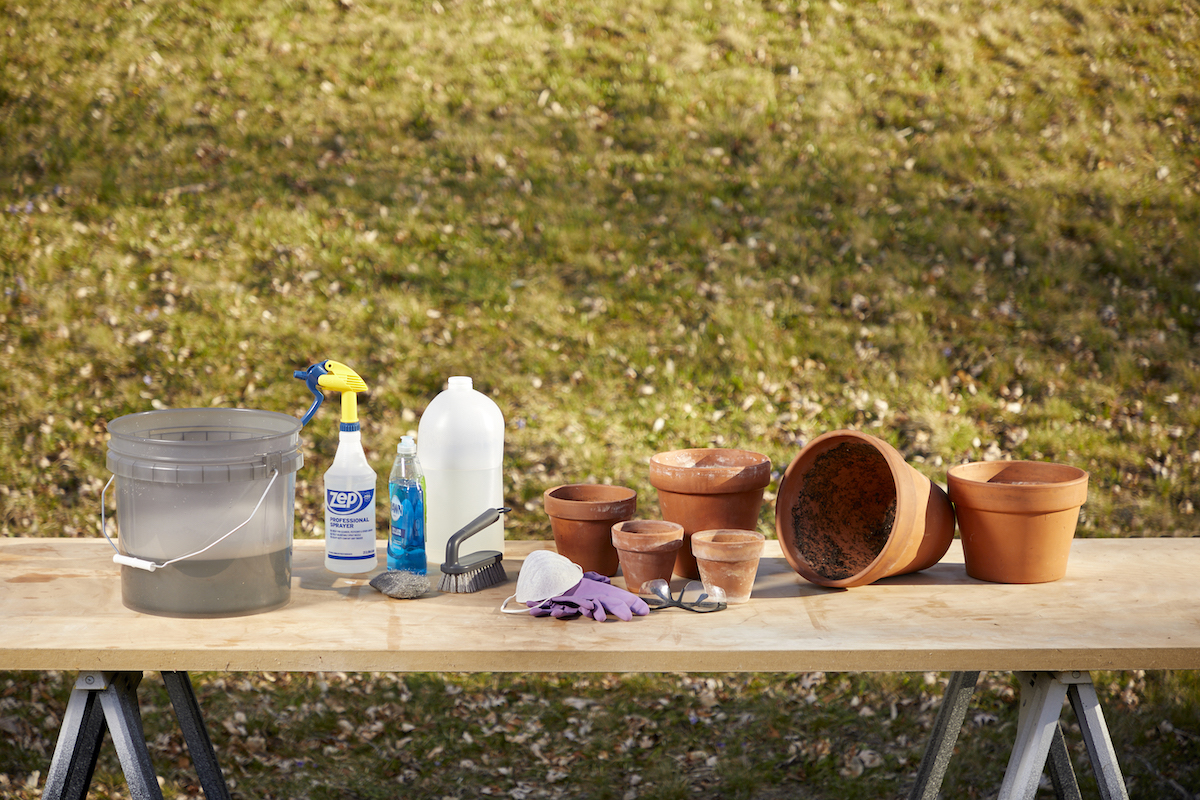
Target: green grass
<point x="333" y="735"/>
<point x="969" y="228"/>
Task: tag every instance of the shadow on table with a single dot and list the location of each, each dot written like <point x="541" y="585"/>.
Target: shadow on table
<point x="776" y="578"/>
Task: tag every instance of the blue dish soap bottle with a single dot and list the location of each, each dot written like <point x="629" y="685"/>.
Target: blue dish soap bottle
<point x="406" y="490"/>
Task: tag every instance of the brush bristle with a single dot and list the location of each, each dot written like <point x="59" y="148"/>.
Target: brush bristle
<point x="485" y="576"/>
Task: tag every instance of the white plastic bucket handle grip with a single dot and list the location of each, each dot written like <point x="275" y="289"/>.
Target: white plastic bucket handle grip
<point x="130" y="561"/>
<point x="150" y="566"/>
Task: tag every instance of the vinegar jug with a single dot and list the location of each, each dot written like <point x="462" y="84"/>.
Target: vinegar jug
<point x="460" y="444"/>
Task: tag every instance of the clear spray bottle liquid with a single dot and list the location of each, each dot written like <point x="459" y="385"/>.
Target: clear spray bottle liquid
<point x="350" y="507"/>
<point x="406" y="490"/>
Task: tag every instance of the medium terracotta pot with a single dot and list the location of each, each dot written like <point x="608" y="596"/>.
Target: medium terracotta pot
<point x="646" y="549"/>
<point x="851" y="511"/>
<point x="582" y="516"/>
<point x="706" y="489"/>
<point x="1017" y="518"/>
<point x="729" y="559"/>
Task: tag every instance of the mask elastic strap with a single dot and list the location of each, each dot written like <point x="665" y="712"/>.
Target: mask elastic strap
<point x="524" y="609"/>
<point x="504" y="609"/>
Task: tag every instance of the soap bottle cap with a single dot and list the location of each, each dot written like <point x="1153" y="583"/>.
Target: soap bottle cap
<point x="406" y="446"/>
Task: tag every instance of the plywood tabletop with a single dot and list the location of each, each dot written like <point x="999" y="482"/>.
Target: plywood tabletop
<point x="1124" y="604"/>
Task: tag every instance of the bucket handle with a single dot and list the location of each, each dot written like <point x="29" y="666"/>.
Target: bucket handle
<point x="150" y="566"/>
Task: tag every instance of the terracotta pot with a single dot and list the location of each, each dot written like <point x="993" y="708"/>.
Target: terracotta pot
<point x="1017" y="518"/>
<point x="729" y="559"/>
<point x="582" y="516"/>
<point x="850" y="511"/>
<point x="706" y="489"/>
<point x="646" y="549"/>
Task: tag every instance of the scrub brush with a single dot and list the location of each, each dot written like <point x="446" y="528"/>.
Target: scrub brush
<point x="477" y="570"/>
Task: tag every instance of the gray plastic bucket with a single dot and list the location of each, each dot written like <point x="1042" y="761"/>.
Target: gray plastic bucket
<point x="185" y="478"/>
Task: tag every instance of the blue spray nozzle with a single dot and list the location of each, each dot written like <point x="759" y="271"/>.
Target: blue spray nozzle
<point x="310" y="376"/>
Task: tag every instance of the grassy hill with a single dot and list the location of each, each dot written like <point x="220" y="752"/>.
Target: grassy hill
<point x="967" y="227"/>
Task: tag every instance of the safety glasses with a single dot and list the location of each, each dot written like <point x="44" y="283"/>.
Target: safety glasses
<point x="693" y="597"/>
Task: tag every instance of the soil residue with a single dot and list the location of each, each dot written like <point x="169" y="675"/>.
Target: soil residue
<point x="845" y="510"/>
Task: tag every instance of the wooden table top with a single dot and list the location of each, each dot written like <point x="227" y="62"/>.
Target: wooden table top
<point x="1124" y="604"/>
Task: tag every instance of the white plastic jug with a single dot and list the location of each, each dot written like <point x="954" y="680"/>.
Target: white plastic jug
<point x="460" y="444"/>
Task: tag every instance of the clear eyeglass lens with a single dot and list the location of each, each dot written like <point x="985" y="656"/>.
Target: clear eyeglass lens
<point x="698" y="595"/>
<point x="657" y="588"/>
<point x="694" y="596"/>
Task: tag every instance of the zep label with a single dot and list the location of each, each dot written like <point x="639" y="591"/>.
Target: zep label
<point x="347" y="503"/>
<point x="350" y="524"/>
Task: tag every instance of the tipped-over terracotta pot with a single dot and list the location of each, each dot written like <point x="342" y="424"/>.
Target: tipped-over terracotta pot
<point x="1017" y="518"/>
<point x="582" y="516"/>
<point x="851" y="510"/>
<point x="729" y="559"/>
<point x="706" y="489"/>
<point x="646" y="549"/>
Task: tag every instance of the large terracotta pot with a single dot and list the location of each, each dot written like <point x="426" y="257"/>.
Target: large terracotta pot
<point x="582" y="516"/>
<point x="646" y="549"/>
<point x="1017" y="518"/>
<point x="728" y="559"/>
<point x="851" y="510"/>
<point x="706" y="489"/>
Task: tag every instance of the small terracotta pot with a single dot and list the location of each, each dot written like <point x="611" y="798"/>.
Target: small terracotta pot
<point x="1017" y="518"/>
<point x="646" y="549"/>
<point x="582" y="516"/>
<point x="729" y="559"/>
<point x="851" y="511"/>
<point x="707" y="489"/>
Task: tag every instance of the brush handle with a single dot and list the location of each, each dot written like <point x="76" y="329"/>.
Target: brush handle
<point x="470" y="529"/>
<point x="473" y="562"/>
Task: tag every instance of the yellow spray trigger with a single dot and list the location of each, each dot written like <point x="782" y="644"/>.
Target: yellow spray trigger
<point x="340" y="378"/>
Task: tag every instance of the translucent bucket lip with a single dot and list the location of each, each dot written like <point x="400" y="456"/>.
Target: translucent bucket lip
<point x="203" y="445"/>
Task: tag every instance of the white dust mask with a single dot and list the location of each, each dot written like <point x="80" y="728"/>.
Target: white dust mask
<point x="544" y="574"/>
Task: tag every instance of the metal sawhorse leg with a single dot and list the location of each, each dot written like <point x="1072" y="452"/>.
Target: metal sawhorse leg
<point x="108" y="701"/>
<point x="1040" y="743"/>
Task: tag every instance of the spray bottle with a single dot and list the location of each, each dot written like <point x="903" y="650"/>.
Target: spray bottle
<point x="350" y="482"/>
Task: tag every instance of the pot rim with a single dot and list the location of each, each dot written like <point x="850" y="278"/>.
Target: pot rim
<point x="647" y="535"/>
<point x="567" y="501"/>
<point x="1033" y="487"/>
<point x="742" y="545"/>
<point x="648" y="527"/>
<point x="730" y="470"/>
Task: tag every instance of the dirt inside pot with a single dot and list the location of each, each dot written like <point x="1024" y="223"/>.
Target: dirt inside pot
<point x="844" y="512"/>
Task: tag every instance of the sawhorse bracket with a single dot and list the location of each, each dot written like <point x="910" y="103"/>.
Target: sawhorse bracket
<point x="1040" y="745"/>
<point x="108" y="701"/>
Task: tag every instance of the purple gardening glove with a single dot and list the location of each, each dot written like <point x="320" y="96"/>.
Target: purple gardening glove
<point x="596" y="598"/>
